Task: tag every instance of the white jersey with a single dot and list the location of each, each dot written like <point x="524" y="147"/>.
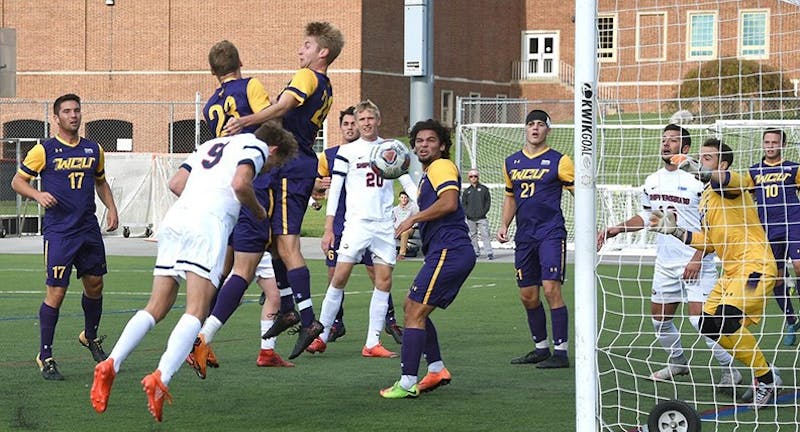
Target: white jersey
<point x="676" y="191"/>
<point x="370" y="197"/>
<point x="212" y="167"/>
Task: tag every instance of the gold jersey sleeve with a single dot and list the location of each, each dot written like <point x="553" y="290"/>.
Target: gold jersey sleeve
<point x="443" y="176"/>
<point x="257" y="95"/>
<point x="323" y="170"/>
<point x="303" y="83"/>
<point x="34" y="162"/>
<point x="566" y="172"/>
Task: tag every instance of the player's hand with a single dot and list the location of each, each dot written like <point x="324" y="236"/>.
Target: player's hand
<point x="502" y="235"/>
<point x="403" y="227"/>
<point x="232" y="127"/>
<point x="692" y="271"/>
<point x="112" y="220"/>
<point x="665" y="223"/>
<point x="606" y="234"/>
<point x="260" y="212"/>
<point x="46" y="200"/>
<point x="327" y="241"/>
<point x="684" y="162"/>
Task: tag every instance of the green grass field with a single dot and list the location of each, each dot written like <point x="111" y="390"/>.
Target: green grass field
<point x="338" y="390"/>
<point x="335" y="391"/>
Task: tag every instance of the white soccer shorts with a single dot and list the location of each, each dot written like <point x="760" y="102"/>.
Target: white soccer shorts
<point x="360" y="235"/>
<point x="187" y="243"/>
<point x="264" y="269"/>
<point x="670" y="287"/>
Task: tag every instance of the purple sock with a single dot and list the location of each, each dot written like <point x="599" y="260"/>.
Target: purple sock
<point x="92" y="311"/>
<point x="390" y="318"/>
<point x="287" y="301"/>
<point x="432" y="353"/>
<point x="560" y="318"/>
<point x="784" y="302"/>
<point x="229" y="297"/>
<point x="48" y="317"/>
<point x="537" y="323"/>
<point x="300" y="280"/>
<point x="411" y="350"/>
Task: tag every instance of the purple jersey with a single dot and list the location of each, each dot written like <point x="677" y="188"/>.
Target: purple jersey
<point x="775" y="192"/>
<point x="536" y="182"/>
<point x="235" y="98"/>
<point x="324" y="170"/>
<point x="68" y="172"/>
<point x="450" y="230"/>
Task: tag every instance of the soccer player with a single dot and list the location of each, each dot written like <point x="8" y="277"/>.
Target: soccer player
<point x="72" y="168"/>
<point x="235" y="97"/>
<point x="682" y="273"/>
<point x="731" y="228"/>
<point x="449" y="259"/>
<point x="535" y="177"/>
<point x="775" y="183"/>
<point x="212" y="185"/>
<point x="368" y="225"/>
<point x="302" y="106"/>
<point x="349" y="129"/>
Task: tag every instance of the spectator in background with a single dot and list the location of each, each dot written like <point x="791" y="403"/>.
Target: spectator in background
<point x="476" y="200"/>
<point x="402" y="211"/>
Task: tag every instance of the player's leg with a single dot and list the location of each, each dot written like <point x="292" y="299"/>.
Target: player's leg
<point x="552" y="259"/>
<point x="162" y="297"/>
<point x="793" y="252"/>
<point x="780" y="249"/>
<point x="667" y="294"/>
<point x="528" y="278"/>
<point x="378" y="306"/>
<point x="334" y="295"/>
<point x="267" y="357"/>
<point x="90" y="264"/>
<point x="337" y="329"/>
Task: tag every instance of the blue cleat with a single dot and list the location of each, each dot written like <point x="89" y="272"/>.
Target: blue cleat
<point x="790" y="333"/>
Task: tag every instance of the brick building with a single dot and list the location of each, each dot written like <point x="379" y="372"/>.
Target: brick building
<point x="156" y="51"/>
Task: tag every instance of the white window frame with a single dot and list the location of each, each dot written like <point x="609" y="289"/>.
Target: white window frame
<point x="555" y="55"/>
<point x="765" y="47"/>
<point x="664" y="23"/>
<point x="614" y="39"/>
<point x="446" y="113"/>
<point x="715" y="35"/>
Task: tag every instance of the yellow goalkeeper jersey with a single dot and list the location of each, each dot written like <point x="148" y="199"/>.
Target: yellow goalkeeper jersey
<point x="730" y="227"/>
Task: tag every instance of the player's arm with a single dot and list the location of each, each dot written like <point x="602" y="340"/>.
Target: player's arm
<point x="665" y="223"/>
<point x="636" y="223"/>
<point x="178" y="181"/>
<point x="409" y="187"/>
<point x="509" y="208"/>
<point x="566" y="173"/>
<point x="242" y="185"/>
<point x="272" y="112"/>
<point x="103" y="190"/>
<point x="21" y="183"/>
<point x="341" y="166"/>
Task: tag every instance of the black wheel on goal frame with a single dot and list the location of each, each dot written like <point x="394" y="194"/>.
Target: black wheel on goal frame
<point x="126" y="232"/>
<point x="673" y="416"/>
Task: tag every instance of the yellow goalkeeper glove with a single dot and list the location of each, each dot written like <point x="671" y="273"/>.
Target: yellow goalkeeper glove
<point x="665" y="223"/>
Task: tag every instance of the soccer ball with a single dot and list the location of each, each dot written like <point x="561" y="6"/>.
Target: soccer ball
<point x="390" y="159"/>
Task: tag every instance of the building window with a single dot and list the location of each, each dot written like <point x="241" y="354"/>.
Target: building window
<point x="607" y="38"/>
<point x="702" y="36"/>
<point x="106" y="132"/>
<point x="183" y="136"/>
<point x="754" y="34"/>
<point x="651" y="36"/>
<point x="474" y="94"/>
<point x="446" y="108"/>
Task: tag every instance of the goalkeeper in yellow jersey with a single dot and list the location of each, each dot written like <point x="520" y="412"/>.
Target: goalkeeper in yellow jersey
<point x="730" y="227"/>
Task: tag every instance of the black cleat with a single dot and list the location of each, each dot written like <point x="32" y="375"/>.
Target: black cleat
<point x="306" y="335"/>
<point x="554" y="362"/>
<point x="283" y="321"/>
<point x="534" y="356"/>
<point x="395" y="331"/>
<point x="262" y="299"/>
<point x="337" y="331"/>
<point x="95" y="346"/>
<point x="49" y="369"/>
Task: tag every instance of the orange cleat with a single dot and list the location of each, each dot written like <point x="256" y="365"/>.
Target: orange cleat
<point x="101" y="386"/>
<point x="269" y="358"/>
<point x="318" y="346"/>
<point x="198" y="358"/>
<point x="377" y="351"/>
<point x="434" y="380"/>
<point x="157" y="392"/>
<point x="211" y="360"/>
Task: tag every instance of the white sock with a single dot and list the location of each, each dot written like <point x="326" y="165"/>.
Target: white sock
<point x="133" y="333"/>
<point x="330" y="307"/>
<point x="436" y="366"/>
<point x="408" y="381"/>
<point x="562" y="346"/>
<point x="544" y="344"/>
<point x="667" y="334"/>
<point x="179" y="345"/>
<point x="723" y="357"/>
<point x="210" y="328"/>
<point x="377" y="316"/>
<point x="267" y="343"/>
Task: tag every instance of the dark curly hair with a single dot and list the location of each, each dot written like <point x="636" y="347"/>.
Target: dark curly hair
<point x="441" y="131"/>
